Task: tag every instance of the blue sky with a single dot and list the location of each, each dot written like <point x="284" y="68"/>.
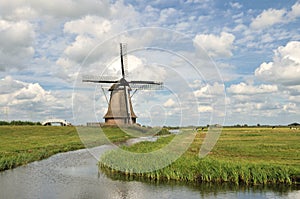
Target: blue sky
<point x="250" y="64"/>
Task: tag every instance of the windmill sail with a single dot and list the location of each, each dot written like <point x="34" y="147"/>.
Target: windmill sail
<point x="125" y="59"/>
<point x="120" y="109"/>
<point x="125" y="85"/>
<point x="99" y="79"/>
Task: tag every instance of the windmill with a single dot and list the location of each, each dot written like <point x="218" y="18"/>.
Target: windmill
<point x="120" y="109"/>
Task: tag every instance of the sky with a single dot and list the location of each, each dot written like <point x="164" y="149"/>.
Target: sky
<point x="225" y="62"/>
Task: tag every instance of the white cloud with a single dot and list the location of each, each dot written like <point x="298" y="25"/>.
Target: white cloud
<point x="80" y="48"/>
<point x="92" y="25"/>
<point x="246" y="89"/>
<point x="16" y="43"/>
<point x="290" y="107"/>
<point x="32" y="92"/>
<point x="169" y="103"/>
<point x="182" y="26"/>
<point x="285" y="67"/>
<point x="205" y="109"/>
<point x="57" y="8"/>
<point x="208" y="90"/>
<point x="271" y="17"/>
<point x="8" y="85"/>
<point x="268" y="18"/>
<point x="167" y="13"/>
<point x="26" y="100"/>
<point x="295" y="12"/>
<point x="53" y="38"/>
<point x="216" y="46"/>
<point x="22" y="13"/>
<point x="235" y="5"/>
<point x="93" y="30"/>
<point x="239" y="28"/>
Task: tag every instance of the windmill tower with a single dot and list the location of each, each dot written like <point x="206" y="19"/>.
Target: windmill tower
<point x="120" y="110"/>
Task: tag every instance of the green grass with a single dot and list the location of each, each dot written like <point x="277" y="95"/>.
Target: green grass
<point x="20" y="145"/>
<point x="259" y="145"/>
<point x="241" y="156"/>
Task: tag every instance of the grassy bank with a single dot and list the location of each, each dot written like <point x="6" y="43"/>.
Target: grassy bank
<point x="241" y="156"/>
<point x="20" y="145"/>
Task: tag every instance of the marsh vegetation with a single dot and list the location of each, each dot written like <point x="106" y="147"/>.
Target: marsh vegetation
<point x="241" y="156"/>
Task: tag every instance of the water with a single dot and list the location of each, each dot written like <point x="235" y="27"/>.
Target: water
<point x="141" y="139"/>
<point x="174" y="131"/>
<point x="75" y="175"/>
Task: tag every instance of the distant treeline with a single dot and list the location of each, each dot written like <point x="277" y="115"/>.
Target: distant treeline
<point x="19" y="123"/>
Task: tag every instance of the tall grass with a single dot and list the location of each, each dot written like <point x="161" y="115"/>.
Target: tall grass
<point x="20" y="145"/>
<point x="239" y="157"/>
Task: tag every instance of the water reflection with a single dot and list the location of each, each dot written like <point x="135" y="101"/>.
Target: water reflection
<point x="141" y="139"/>
<point x="75" y="175"/>
<point x="212" y="190"/>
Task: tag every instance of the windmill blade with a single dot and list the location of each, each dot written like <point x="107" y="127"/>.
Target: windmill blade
<point x="147" y="86"/>
<point x="99" y="78"/>
<point x="100" y="81"/>
<point x="125" y="60"/>
<point x="122" y="61"/>
<point x="145" y="82"/>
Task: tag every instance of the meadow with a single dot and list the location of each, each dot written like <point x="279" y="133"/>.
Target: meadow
<point x="242" y="156"/>
<point x="20" y="145"/>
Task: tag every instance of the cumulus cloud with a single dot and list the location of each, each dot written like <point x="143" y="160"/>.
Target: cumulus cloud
<point x="236" y="5"/>
<point x="21" y="92"/>
<point x="167" y="13"/>
<point x="290" y="107"/>
<point x="8" y="85"/>
<point x="268" y="18"/>
<point x="54" y="37"/>
<point x="79" y="49"/>
<point x="246" y="89"/>
<point x="22" y="13"/>
<point x="216" y="46"/>
<point x="208" y="90"/>
<point x="169" y="103"/>
<point x="272" y="16"/>
<point x="92" y="30"/>
<point x="295" y="12"/>
<point x="23" y="99"/>
<point x="205" y="109"/>
<point x="57" y="8"/>
<point x="210" y="99"/>
<point x="92" y="25"/>
<point x="285" y="67"/>
<point x="16" y="43"/>
<point x="262" y="104"/>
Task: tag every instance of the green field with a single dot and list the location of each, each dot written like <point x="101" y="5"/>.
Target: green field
<point x="20" y="145"/>
<point x="241" y="156"/>
<point x="259" y="145"/>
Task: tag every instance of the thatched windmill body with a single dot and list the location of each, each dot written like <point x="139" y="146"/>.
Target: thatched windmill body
<point x="120" y="110"/>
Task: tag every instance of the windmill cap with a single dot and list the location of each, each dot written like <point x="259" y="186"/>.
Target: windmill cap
<point x="118" y="86"/>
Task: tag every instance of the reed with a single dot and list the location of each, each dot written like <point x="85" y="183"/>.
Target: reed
<point x="239" y="157"/>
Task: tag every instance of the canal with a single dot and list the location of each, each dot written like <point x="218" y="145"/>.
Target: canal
<point x="75" y="175"/>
